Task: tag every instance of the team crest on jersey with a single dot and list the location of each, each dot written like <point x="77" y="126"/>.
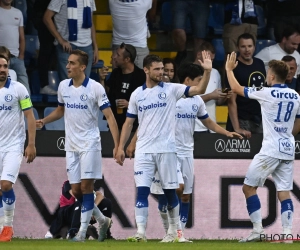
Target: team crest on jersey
<point x="83" y="97"/>
<point x="162" y="95"/>
<point x="104" y="95"/>
<point x="8" y="98"/>
<point x="195" y="107"/>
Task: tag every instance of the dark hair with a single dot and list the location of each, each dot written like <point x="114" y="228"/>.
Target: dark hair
<point x="170" y="60"/>
<point x="149" y="59"/>
<point x="189" y="70"/>
<point x="280" y="69"/>
<point x="4" y="57"/>
<point x="288" y="31"/>
<point x="245" y="36"/>
<point x="288" y="58"/>
<point x="5" y="51"/>
<point x="83" y="57"/>
<point x="129" y="51"/>
<point x="206" y="46"/>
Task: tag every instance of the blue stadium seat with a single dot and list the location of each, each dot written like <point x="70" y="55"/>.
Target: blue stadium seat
<point x="94" y="72"/>
<point x="220" y="53"/>
<point x="34" y="82"/>
<point x="261" y="28"/>
<point x="102" y="124"/>
<point x="36" y="116"/>
<point x="216" y="18"/>
<point x="53" y="79"/>
<point x="56" y="125"/>
<point x="260" y="44"/>
<point x="31" y="47"/>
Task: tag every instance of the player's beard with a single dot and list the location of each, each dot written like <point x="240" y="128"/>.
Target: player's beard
<point x="156" y="79"/>
<point x="3" y="77"/>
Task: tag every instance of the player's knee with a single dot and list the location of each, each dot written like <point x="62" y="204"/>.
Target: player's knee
<point x="179" y="191"/>
<point x="162" y="203"/>
<point x="6" y="185"/>
<point x="171" y="197"/>
<point x="185" y="198"/>
<point x="142" y="197"/>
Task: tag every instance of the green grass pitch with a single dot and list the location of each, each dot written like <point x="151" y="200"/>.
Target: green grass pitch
<point x="30" y="244"/>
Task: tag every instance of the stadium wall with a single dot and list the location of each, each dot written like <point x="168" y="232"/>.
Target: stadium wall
<point x="218" y="205"/>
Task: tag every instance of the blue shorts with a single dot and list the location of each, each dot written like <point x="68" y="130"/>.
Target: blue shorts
<point x="196" y="10"/>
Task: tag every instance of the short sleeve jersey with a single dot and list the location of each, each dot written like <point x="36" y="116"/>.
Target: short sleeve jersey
<point x="187" y="111"/>
<point x="280" y="106"/>
<point x="81" y="113"/>
<point x="155" y="109"/>
<point x="14" y="99"/>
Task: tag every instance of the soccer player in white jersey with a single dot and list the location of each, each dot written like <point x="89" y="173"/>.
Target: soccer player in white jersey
<point x="154" y="104"/>
<point x="14" y="104"/>
<point x="280" y="108"/>
<point x="79" y="99"/>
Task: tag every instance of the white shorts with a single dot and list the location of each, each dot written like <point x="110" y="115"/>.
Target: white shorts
<point x="186" y="166"/>
<point x="146" y="164"/>
<point x="83" y="165"/>
<point x="156" y="185"/>
<point x="10" y="163"/>
<point x="262" y="166"/>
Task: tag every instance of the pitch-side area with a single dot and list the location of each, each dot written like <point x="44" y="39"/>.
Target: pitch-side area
<point x="31" y="244"/>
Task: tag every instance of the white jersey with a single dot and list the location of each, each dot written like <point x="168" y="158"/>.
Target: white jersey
<point x="14" y="99"/>
<point x="280" y="106"/>
<point x="155" y="109"/>
<point x="81" y="113"/>
<point x="187" y="111"/>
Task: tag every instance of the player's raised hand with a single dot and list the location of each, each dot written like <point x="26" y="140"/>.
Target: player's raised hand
<point x="120" y="157"/>
<point x="234" y="135"/>
<point x="206" y="63"/>
<point x="231" y="62"/>
<point x="30" y="153"/>
<point x="39" y="123"/>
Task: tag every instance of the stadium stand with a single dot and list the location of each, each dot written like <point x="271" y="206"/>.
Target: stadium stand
<point x="57" y="125"/>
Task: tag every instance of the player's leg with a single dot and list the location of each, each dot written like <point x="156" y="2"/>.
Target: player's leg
<point x="283" y="178"/>
<point x="105" y="207"/>
<point x="144" y="169"/>
<point x="162" y="201"/>
<point x="260" y="168"/>
<point x="167" y="171"/>
<point x="11" y="162"/>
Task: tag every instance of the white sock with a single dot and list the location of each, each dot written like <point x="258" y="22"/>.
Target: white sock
<point x="141" y="217"/>
<point x="164" y="220"/>
<point x="287" y="219"/>
<point x="174" y="218"/>
<point x="98" y="215"/>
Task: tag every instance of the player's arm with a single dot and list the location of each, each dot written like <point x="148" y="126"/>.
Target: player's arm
<point x="131" y="147"/>
<point x="55" y="115"/>
<point x="207" y="66"/>
<point x="296" y="128"/>
<point x="126" y="130"/>
<point x="231" y="64"/>
<point x="113" y="127"/>
<point x="30" y="151"/>
<point x="210" y="124"/>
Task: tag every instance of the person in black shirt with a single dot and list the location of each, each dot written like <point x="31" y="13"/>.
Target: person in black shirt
<point x="245" y="114"/>
<point x="123" y="81"/>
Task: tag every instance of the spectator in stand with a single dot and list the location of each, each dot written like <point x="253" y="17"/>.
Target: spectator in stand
<point x="6" y="53"/>
<point x="288" y="45"/>
<point x="72" y="28"/>
<point x="291" y="81"/>
<point x="12" y="37"/>
<point x="240" y="18"/>
<point x="47" y="49"/>
<point x="122" y="82"/>
<point x="130" y="25"/>
<point x="170" y="70"/>
<point x="244" y="114"/>
<point x="213" y="94"/>
<point x="198" y="12"/>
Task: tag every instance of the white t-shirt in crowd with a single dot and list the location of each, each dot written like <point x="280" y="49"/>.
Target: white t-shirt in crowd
<point x="12" y="75"/>
<point x="10" y="22"/>
<point x="12" y="136"/>
<point x="129" y="22"/>
<point x="280" y="105"/>
<point x="275" y="52"/>
<point x="81" y="113"/>
<point x="187" y="112"/>
<point x="155" y="109"/>
<point x="84" y="37"/>
<point x="214" y="83"/>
